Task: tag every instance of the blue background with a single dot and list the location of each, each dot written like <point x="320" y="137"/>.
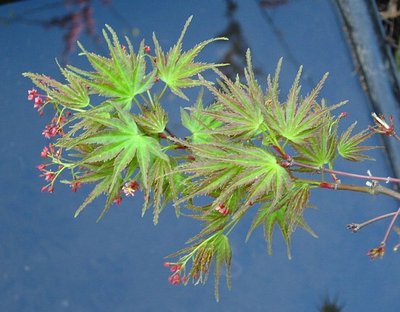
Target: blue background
<point x="50" y="261"/>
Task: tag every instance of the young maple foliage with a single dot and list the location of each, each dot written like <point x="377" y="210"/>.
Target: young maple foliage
<point x="236" y="156"/>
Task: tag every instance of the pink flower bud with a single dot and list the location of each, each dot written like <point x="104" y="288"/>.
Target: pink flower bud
<point x="147" y="49"/>
<point x="45" y="152"/>
<point x="32" y="94"/>
<point x="38" y="102"/>
<point x="41" y="167"/>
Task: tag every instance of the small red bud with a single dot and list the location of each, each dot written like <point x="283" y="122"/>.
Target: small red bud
<point x="147" y="49"/>
<point x="41" y="167"/>
<point x="326" y="185"/>
<point x="285" y="164"/>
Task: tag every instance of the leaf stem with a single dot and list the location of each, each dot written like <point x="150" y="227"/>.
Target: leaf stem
<point x="355" y="227"/>
<point x="162" y="92"/>
<point x="390" y="227"/>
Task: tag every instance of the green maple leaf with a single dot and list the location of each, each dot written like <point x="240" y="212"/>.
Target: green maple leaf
<point x="221" y="169"/>
<point x="102" y="174"/>
<point x="153" y="119"/>
<point x="119" y="141"/>
<point x="239" y="107"/>
<point x="122" y="76"/>
<point x="73" y="95"/>
<point x="176" y="68"/>
<point x="214" y="249"/>
<point x="199" y="123"/>
<point x="320" y="149"/>
<point x="287" y="213"/>
<point x="350" y="148"/>
<point x="297" y="119"/>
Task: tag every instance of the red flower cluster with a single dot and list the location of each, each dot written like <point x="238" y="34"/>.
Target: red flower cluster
<point x="74" y="186"/>
<point x="51" y="130"/>
<point x="39" y="103"/>
<point x="222" y="209"/>
<point x="117" y="199"/>
<point x="130" y="188"/>
<point x="49" y="176"/>
<point x="49" y="151"/>
<point x="55" y="127"/>
<point x="175" y="278"/>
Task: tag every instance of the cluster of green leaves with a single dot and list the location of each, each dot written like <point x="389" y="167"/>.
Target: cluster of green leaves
<point x="108" y="143"/>
<point x="236" y="155"/>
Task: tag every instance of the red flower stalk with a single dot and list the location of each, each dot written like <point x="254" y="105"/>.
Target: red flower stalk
<point x="47" y="188"/>
<point x="48" y="175"/>
<point x="175" y="268"/>
<point x="41" y="167"/>
<point x="59" y="120"/>
<point x="281" y="152"/>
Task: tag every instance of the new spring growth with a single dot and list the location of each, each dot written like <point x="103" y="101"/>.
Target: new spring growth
<point x="381" y="126"/>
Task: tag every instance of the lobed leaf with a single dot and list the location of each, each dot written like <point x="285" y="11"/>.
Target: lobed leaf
<point x="73" y="95"/>
<point x="240" y="106"/>
<point x="287" y="213"/>
<point x="295" y="120"/>
<point x="199" y="123"/>
<point x="349" y="146"/>
<point x="122" y="76"/>
<point x="175" y="68"/>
